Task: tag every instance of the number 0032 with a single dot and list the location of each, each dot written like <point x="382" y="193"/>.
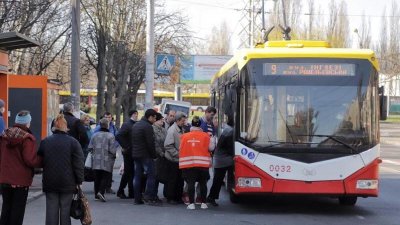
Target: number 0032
<point x="280" y="168"/>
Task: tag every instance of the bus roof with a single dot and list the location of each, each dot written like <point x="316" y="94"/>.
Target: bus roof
<point x="295" y="49"/>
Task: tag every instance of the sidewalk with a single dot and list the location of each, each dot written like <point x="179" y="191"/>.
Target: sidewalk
<point x="35" y="191"/>
<point x="390" y="133"/>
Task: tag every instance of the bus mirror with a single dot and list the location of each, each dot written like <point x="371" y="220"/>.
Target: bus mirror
<point x="383" y="107"/>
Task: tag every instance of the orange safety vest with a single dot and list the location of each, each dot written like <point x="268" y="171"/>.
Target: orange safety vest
<point x="193" y="151"/>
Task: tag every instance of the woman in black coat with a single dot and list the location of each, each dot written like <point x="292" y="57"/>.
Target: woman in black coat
<point x="62" y="172"/>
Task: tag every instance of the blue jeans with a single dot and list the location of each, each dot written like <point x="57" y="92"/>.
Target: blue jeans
<point x="145" y="165"/>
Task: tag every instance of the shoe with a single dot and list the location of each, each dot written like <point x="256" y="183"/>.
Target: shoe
<point x="110" y="191"/>
<point x="191" y="206"/>
<point x="96" y="198"/>
<point x="138" y="202"/>
<point x="198" y="201"/>
<point x="212" y="201"/>
<point x="101" y="197"/>
<point x="121" y="195"/>
<point x="204" y="206"/>
<point x="185" y="199"/>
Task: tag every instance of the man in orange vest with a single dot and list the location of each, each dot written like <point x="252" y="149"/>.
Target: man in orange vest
<point x="195" y="160"/>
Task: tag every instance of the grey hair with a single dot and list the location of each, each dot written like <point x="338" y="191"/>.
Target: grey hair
<point x="68" y="107"/>
<point x="104" y="123"/>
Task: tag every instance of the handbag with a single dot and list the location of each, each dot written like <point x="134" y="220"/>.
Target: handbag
<point x="76" y="210"/>
<point x="89" y="160"/>
<point x="161" y="171"/>
<point x="80" y="209"/>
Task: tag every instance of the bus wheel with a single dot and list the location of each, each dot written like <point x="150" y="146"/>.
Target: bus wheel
<point x="347" y="200"/>
<point x="200" y="109"/>
<point x="234" y="198"/>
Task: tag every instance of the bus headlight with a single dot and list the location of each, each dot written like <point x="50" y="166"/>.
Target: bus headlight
<point x="367" y="184"/>
<point x="249" y="182"/>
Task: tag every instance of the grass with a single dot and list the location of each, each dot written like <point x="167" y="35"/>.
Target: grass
<point x="393" y="119"/>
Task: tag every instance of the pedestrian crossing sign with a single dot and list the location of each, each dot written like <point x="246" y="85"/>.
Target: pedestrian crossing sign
<point x="164" y="63"/>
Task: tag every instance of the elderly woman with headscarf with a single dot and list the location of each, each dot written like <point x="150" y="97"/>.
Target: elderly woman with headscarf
<point x="62" y="172"/>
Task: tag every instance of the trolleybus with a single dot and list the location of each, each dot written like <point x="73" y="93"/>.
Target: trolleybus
<point x="306" y="120"/>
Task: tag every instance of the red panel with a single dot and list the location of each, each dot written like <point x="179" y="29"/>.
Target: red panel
<point x="245" y="169"/>
<point x="302" y="187"/>
<point x="370" y="172"/>
<point x="277" y="186"/>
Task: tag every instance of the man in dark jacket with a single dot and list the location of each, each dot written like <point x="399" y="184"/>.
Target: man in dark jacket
<point x="143" y="153"/>
<point x="124" y="139"/>
<point x="75" y="127"/>
<point x="17" y="160"/>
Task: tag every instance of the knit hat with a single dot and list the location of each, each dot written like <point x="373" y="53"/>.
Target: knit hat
<point x="1" y="103"/>
<point x="23" y="117"/>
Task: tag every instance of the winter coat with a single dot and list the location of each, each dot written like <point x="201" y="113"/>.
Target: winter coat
<point x="172" y="143"/>
<point x="104" y="148"/>
<point x="142" y="139"/>
<point x="224" y="153"/>
<point x="159" y="136"/>
<point x="75" y="129"/>
<point x="112" y="129"/>
<point x="62" y="163"/>
<point x="124" y="136"/>
<point x="18" y="156"/>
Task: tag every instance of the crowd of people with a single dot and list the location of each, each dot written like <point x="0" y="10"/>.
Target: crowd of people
<point x="155" y="150"/>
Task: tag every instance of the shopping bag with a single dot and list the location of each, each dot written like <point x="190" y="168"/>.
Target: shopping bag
<point x="87" y="217"/>
<point x="161" y="171"/>
<point x="76" y="210"/>
<point x="89" y="160"/>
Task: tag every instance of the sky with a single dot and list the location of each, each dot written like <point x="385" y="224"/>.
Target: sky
<point x="205" y="14"/>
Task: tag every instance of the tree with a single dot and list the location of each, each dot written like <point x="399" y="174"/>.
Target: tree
<point x="365" y="32"/>
<point x="115" y="46"/>
<point x="40" y="20"/>
<point x="219" y="40"/>
<point x="338" y="28"/>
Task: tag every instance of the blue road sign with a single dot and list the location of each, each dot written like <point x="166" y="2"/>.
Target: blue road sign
<point x="164" y="63"/>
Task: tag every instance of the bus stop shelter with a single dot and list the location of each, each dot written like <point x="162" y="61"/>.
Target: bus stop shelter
<point x="22" y="92"/>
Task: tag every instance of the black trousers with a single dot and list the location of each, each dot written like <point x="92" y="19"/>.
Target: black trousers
<point x="175" y="182"/>
<point x="219" y="174"/>
<point x="101" y="179"/>
<point x="58" y="207"/>
<point x="127" y="177"/>
<point x="14" y="203"/>
<point x="193" y="175"/>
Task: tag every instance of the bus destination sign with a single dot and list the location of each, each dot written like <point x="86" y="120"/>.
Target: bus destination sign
<point x="309" y="69"/>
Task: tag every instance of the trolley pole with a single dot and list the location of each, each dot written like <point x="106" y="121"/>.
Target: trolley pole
<point x="75" y="56"/>
<point x="149" y="55"/>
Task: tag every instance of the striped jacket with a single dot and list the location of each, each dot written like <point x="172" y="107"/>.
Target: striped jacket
<point x="194" y="150"/>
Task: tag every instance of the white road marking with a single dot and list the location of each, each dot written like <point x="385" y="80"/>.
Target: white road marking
<point x="387" y="169"/>
<point x="361" y="217"/>
<point x="391" y="162"/>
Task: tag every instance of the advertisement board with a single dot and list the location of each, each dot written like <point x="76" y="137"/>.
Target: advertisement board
<point x="199" y="69"/>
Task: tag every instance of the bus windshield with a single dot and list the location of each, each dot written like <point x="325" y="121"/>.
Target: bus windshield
<point x="309" y="104"/>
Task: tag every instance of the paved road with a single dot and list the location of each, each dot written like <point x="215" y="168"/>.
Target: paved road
<point x="270" y="211"/>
